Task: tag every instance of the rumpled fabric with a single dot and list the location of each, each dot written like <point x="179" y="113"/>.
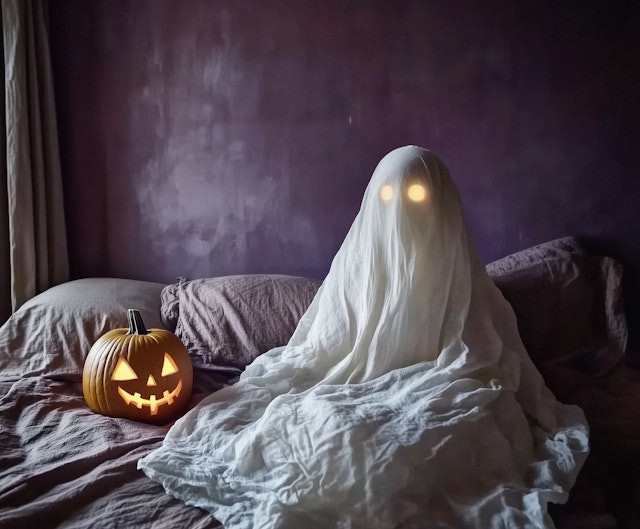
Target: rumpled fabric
<point x="404" y="399"/>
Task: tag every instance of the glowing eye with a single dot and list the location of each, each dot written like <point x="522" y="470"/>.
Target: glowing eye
<point x="417" y="192"/>
<point x="123" y="371"/>
<point x="386" y="193"/>
<point x="169" y="367"/>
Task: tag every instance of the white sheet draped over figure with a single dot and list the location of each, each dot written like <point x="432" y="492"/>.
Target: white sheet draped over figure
<point x="404" y="399"/>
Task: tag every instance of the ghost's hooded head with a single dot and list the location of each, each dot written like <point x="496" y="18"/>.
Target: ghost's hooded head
<point x="399" y="287"/>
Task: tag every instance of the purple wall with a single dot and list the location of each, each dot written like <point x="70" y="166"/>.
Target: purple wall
<point x="204" y="137"/>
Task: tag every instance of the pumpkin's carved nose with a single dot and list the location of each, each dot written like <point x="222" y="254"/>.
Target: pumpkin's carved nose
<point x="151" y="381"/>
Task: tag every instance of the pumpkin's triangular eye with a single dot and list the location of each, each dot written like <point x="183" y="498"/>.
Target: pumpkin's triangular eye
<point x="123" y="371"/>
<point x="169" y="367"/>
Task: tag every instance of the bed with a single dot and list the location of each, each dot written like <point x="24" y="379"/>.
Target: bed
<point x="61" y="465"/>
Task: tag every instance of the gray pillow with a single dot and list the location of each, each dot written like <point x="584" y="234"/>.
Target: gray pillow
<point x="52" y="333"/>
<point x="568" y="303"/>
<point x="229" y="321"/>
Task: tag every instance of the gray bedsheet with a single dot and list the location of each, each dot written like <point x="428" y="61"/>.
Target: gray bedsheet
<point x="62" y="465"/>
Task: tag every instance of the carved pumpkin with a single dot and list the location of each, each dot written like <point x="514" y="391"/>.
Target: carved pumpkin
<point x="139" y="374"/>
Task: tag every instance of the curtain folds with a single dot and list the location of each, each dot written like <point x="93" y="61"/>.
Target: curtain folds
<point x="33" y="247"/>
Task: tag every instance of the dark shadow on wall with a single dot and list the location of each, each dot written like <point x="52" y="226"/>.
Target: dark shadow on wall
<point x="631" y="287"/>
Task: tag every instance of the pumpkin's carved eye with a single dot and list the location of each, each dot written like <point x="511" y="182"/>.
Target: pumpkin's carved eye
<point x="123" y="371"/>
<point x="169" y="367"/>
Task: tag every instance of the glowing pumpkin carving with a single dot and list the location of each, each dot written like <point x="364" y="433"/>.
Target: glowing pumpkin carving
<point x="139" y="374"/>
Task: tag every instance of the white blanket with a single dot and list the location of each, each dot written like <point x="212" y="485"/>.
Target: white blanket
<point x="405" y="397"/>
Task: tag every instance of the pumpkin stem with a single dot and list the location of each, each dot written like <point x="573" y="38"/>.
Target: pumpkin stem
<point x="136" y="325"/>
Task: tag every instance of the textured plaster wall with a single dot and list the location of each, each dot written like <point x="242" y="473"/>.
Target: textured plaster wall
<point x="210" y="137"/>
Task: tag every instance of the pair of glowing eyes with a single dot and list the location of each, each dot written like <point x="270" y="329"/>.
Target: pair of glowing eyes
<point x="124" y="371"/>
<point x="415" y="193"/>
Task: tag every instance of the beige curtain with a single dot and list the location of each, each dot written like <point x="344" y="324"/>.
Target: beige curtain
<point x="33" y="248"/>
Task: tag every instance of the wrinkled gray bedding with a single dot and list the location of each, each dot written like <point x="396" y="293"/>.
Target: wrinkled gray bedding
<point x="61" y="465"/>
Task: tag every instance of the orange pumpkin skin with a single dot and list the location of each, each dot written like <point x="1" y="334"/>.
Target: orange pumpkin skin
<point x="139" y="374"/>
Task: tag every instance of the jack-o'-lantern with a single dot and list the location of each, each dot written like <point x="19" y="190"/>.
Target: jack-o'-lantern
<point x="139" y="374"/>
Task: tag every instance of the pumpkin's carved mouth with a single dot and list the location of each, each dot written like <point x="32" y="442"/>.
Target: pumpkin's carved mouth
<point x="153" y="403"/>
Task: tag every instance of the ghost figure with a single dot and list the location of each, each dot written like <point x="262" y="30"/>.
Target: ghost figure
<point x="404" y="399"/>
